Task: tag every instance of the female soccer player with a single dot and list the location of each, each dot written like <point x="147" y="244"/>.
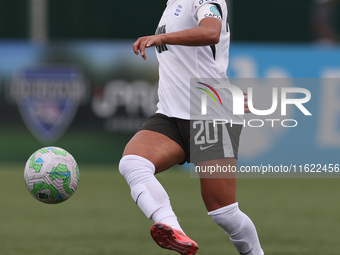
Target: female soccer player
<point x="192" y="41"/>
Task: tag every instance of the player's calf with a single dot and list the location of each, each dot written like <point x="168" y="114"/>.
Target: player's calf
<point x="146" y="190"/>
<point x="239" y="228"/>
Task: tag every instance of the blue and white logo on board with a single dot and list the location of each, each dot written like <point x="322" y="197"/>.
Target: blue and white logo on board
<point x="48" y="99"/>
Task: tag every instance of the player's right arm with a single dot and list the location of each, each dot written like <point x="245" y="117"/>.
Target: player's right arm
<point x="206" y="33"/>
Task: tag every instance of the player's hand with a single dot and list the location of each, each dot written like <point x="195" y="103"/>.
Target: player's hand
<point x="145" y="42"/>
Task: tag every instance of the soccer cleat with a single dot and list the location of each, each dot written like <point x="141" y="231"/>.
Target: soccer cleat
<point x="172" y="239"/>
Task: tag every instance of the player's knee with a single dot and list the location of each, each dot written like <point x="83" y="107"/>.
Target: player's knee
<point x="124" y="166"/>
<point x="133" y="166"/>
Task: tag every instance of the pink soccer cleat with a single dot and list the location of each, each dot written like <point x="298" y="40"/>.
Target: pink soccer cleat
<point x="172" y="239"/>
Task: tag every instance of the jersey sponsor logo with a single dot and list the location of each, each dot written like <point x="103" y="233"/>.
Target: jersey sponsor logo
<point x="178" y="10"/>
<point x="48" y="98"/>
<point x="162" y="47"/>
<point x="214" y="13"/>
<point x="214" y="10"/>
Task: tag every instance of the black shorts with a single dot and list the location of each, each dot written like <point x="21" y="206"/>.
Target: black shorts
<point x="201" y="140"/>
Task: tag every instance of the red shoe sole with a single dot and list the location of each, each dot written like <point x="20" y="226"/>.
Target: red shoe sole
<point x="165" y="237"/>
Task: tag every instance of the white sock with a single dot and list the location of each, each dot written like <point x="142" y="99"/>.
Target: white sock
<point x="146" y="190"/>
<point x="239" y="228"/>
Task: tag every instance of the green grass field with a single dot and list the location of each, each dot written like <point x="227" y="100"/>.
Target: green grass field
<point x="293" y="216"/>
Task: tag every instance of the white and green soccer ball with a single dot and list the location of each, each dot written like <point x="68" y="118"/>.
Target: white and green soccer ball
<point x="51" y="175"/>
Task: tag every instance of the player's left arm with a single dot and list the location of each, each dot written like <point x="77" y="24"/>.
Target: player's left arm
<point x="207" y="33"/>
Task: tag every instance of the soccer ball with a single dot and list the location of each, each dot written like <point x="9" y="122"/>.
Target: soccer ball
<point x="51" y="175"/>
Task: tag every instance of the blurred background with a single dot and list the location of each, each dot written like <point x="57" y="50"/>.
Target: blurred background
<point x="85" y="47"/>
<point x="69" y="78"/>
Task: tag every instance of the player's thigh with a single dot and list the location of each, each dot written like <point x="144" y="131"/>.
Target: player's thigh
<point x="162" y="151"/>
<point x="218" y="188"/>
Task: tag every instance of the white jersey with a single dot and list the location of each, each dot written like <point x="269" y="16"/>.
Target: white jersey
<point x="178" y="64"/>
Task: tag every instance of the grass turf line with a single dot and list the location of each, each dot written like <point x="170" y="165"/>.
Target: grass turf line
<point x="293" y="216"/>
